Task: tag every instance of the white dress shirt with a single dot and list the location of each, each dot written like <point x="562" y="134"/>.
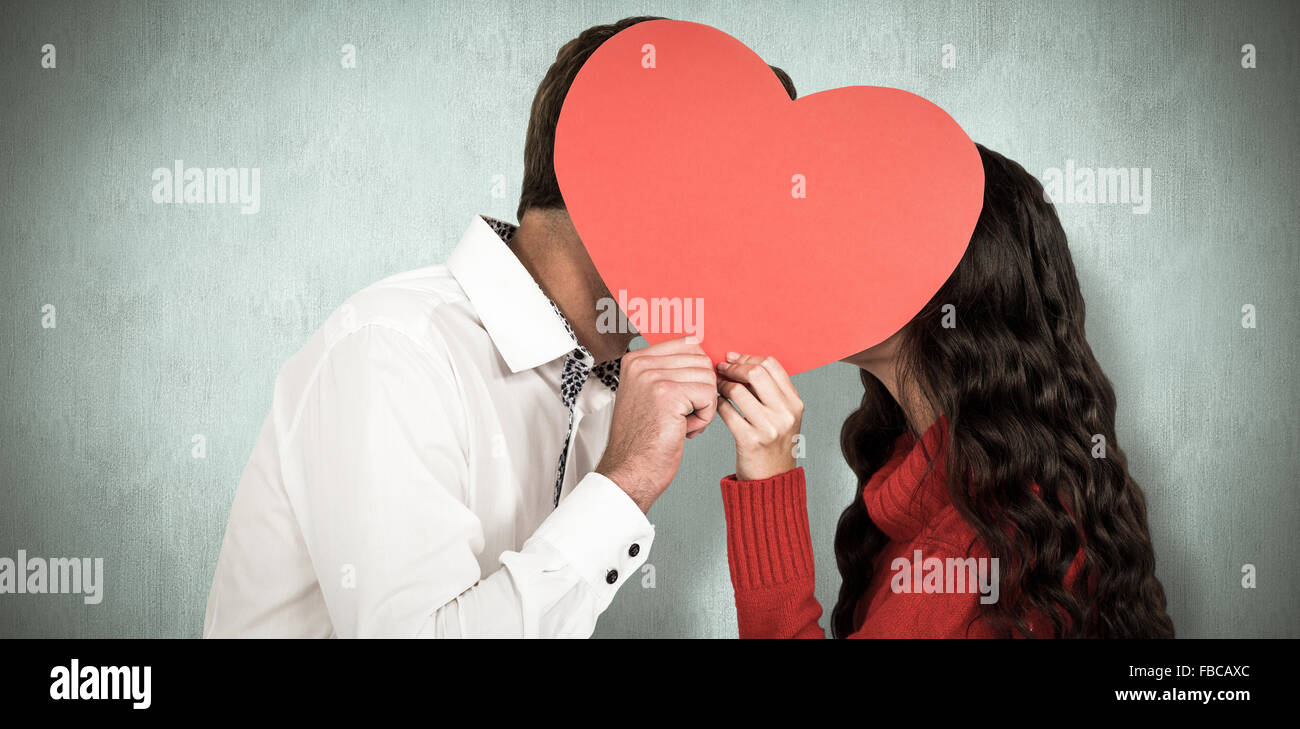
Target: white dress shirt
<point x="403" y="483"/>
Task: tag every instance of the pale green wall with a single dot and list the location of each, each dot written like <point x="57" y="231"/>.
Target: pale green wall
<point x="174" y="320"/>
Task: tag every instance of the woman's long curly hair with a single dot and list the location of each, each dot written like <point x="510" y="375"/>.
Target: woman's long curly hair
<point x="1024" y="400"/>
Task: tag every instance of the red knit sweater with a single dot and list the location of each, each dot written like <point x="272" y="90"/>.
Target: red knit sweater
<point x="771" y="560"/>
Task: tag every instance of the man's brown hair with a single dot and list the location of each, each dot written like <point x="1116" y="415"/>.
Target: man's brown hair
<point x="540" y="188"/>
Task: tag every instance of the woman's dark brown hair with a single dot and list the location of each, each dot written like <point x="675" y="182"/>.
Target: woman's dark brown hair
<point x="1024" y="399"/>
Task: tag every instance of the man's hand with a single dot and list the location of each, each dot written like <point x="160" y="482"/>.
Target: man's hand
<point x="666" y="393"/>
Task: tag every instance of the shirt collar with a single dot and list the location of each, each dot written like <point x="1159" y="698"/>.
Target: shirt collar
<point x="518" y="317"/>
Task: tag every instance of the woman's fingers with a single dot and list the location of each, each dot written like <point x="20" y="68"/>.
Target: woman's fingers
<point x="758" y="378"/>
<point x="771" y="368"/>
<point x="774" y="368"/>
<point x="753" y="411"/>
<point x="731" y="417"/>
<point x="762" y="410"/>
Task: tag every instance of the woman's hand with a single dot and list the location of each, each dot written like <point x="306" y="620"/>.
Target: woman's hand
<point x="765" y="416"/>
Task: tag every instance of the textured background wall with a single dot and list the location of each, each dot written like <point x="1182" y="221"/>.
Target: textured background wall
<point x="173" y="320"/>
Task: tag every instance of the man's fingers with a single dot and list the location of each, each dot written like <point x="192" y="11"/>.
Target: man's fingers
<point x="668" y="362"/>
<point x="685" y="375"/>
<point x="681" y="369"/>
<point x="680" y="345"/>
<point x="703" y="399"/>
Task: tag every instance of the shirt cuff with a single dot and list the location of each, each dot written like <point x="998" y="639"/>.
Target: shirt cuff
<point x="601" y="532"/>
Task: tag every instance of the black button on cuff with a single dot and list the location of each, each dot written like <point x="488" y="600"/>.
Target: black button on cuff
<point x="611" y="577"/>
<point x="634" y="550"/>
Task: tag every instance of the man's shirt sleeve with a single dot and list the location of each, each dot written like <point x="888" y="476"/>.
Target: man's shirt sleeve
<point x="378" y="464"/>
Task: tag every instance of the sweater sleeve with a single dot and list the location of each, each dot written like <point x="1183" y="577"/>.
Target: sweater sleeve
<point x="770" y="556"/>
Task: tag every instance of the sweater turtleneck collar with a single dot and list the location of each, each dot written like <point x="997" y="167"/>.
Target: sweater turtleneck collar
<point x="911" y="487"/>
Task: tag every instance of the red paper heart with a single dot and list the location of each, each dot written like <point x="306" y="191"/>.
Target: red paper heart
<point x="677" y="152"/>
